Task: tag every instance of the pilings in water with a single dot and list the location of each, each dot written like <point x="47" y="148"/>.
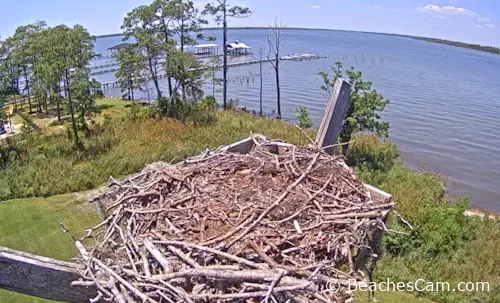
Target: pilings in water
<point x="293" y="57"/>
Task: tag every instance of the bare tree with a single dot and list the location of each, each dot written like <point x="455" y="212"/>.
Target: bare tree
<point x="275" y="38"/>
<point x="260" y="51"/>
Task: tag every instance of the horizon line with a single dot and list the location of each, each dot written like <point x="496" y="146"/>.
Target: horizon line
<point x="321" y="29"/>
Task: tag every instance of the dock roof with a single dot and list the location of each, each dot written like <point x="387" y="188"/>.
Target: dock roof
<point x="206" y="45"/>
<point x="238" y="45"/>
<point x="120" y="46"/>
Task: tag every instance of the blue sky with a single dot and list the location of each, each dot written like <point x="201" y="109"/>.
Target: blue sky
<point x="475" y="21"/>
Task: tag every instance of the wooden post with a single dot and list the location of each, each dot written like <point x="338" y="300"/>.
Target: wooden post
<point x="335" y="112"/>
<point x="41" y="277"/>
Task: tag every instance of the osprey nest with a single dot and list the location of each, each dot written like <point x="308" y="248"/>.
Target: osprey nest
<point x="281" y="223"/>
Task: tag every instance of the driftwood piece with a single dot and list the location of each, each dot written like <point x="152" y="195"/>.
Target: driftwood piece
<point x="42" y="277"/>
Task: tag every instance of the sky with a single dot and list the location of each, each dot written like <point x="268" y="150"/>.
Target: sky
<point x="472" y="21"/>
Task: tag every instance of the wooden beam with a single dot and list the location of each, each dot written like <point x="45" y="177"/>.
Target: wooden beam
<point x="335" y="112"/>
<point x="331" y="127"/>
<point x="41" y="277"/>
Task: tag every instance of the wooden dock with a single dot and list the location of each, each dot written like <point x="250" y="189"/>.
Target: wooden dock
<point x="293" y="57"/>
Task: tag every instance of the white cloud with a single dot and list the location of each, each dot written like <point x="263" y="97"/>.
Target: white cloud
<point x="490" y="25"/>
<point x="449" y="10"/>
<point x="316" y="7"/>
<point x="376" y="6"/>
<point x="478" y="26"/>
<point x="431" y="8"/>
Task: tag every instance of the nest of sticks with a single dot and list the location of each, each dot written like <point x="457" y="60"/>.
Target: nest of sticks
<point x="279" y="224"/>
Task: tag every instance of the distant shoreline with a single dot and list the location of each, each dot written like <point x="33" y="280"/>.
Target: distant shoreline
<point x="482" y="48"/>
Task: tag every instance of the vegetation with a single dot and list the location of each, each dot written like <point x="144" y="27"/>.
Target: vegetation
<point x="45" y="165"/>
<point x="445" y="245"/>
<point x="303" y="118"/>
<point x="32" y="225"/>
<point x="366" y="104"/>
<point x="488" y="49"/>
<point x="222" y="11"/>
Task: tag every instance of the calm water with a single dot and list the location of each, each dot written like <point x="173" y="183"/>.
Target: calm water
<point x="445" y="101"/>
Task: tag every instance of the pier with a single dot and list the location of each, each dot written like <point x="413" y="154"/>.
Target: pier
<point x="293" y="57"/>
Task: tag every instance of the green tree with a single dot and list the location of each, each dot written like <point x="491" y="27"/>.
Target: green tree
<point x="130" y="68"/>
<point x="9" y="72"/>
<point x="213" y="65"/>
<point x="70" y="54"/>
<point x="303" y="118"/>
<point x="140" y="23"/>
<point x="188" y="73"/>
<point x="85" y="92"/>
<point x="222" y="10"/>
<point x="24" y="55"/>
<point x="366" y="104"/>
<point x="187" y="21"/>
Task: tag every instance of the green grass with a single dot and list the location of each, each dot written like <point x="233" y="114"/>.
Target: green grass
<point x="32" y="225"/>
<point x="49" y="165"/>
<point x="391" y="297"/>
<point x="16" y="119"/>
<point x="112" y="102"/>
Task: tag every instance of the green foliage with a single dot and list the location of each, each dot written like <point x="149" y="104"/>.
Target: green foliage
<point x="372" y="158"/>
<point x="31" y="225"/>
<point x="303" y="118"/>
<point x="208" y="103"/>
<point x="366" y="104"/>
<point x="488" y="49"/>
<point x="445" y="245"/>
<point x="46" y="165"/>
<point x="189" y="76"/>
<point x="140" y="112"/>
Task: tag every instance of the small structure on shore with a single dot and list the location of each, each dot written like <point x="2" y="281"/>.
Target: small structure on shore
<point x="238" y="48"/>
<point x="206" y="49"/>
<point x="113" y="50"/>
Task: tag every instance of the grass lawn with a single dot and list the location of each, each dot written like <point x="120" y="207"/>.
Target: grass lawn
<point x="391" y="297"/>
<point x="32" y="225"/>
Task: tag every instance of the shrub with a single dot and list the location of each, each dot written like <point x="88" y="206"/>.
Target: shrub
<point x="371" y="157"/>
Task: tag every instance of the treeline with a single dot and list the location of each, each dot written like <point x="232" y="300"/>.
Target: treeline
<point x="488" y="49"/>
<point x="53" y="62"/>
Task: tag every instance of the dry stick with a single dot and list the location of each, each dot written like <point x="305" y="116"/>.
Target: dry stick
<point x="256" y="294"/>
<point x="372" y="214"/>
<point x="213" y="251"/>
<point x="231" y="232"/>
<point x="179" y="292"/>
<point x="138" y="195"/>
<point x="354" y="187"/>
<point x="360" y="207"/>
<point x="273" y="285"/>
<point x="125" y="294"/>
<point x="402" y="219"/>
<point x="145" y="263"/>
<point x="276" y="203"/>
<point x="164" y="297"/>
<point x="307" y="202"/>
<point x="183" y="257"/>
<point x="311" y="140"/>
<point x="134" y="290"/>
<point x="156" y="253"/>
<point x="337" y="145"/>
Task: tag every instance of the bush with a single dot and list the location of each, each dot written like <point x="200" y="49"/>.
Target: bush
<point x="371" y="157"/>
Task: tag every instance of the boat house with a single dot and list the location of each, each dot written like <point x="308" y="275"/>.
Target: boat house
<point x="238" y="48"/>
<point x="206" y="49"/>
<point x="112" y="51"/>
